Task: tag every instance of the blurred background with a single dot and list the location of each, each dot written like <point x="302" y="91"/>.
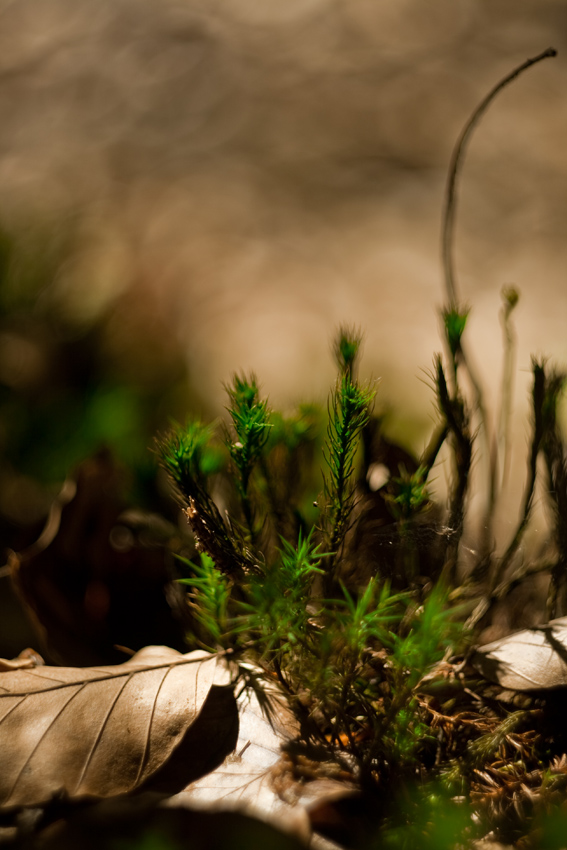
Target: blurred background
<point x="194" y="187"/>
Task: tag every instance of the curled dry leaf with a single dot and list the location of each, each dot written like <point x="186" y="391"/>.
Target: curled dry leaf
<point x="98" y="731"/>
<point x="533" y="659"/>
<point x="26" y="660"/>
<point x="255" y="779"/>
<point x="244" y="781"/>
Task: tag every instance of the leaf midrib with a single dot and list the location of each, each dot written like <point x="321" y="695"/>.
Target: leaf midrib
<point x="102" y="678"/>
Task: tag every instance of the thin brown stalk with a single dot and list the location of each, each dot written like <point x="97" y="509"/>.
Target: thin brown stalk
<point x="455" y="167"/>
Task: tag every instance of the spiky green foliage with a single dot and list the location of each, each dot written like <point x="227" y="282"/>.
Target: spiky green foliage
<point x="352" y="660"/>
<point x="349" y="411"/>
<point x="410" y="494"/>
<point x="356" y="661"/>
<point x="209" y="600"/>
<point x="348" y="344"/>
<point x="365" y="660"/>
<point x="189" y="455"/>
<point x="346" y="653"/>
<point x="295" y="430"/>
<point x="276" y="613"/>
<point x="487" y="745"/>
<point x="454" y="321"/>
<point x="351" y="654"/>
<point x="428" y="630"/>
<point x="250" y="417"/>
<point x="290" y="477"/>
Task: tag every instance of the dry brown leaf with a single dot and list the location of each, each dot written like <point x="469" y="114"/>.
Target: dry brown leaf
<point x="253" y="780"/>
<point x="99" y="731"/>
<point x="533" y="659"/>
<point x="243" y="781"/>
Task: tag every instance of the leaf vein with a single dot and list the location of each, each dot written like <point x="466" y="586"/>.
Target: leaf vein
<point x="70" y="698"/>
<point x="101" y="730"/>
<point x="149" y="730"/>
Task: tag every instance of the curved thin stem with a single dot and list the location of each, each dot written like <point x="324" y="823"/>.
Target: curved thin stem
<point x="457" y="157"/>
